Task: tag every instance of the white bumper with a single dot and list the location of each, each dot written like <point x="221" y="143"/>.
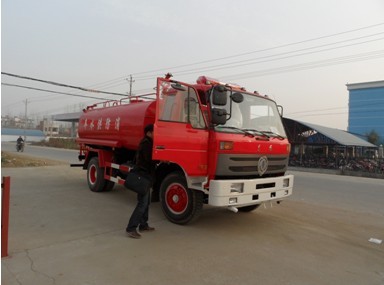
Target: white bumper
<point x="254" y="191"/>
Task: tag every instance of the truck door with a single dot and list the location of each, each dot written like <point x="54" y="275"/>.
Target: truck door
<point x="180" y="131"/>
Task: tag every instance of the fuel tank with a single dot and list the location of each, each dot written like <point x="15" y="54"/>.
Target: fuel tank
<point x="119" y="125"/>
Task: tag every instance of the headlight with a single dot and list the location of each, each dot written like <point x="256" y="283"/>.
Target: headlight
<point x="237" y="187"/>
<point x="286" y="182"/>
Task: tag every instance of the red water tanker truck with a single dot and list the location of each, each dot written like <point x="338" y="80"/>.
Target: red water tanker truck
<point x="216" y="144"/>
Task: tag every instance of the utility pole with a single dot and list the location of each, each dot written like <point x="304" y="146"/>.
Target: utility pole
<point x="25" y="118"/>
<point x="130" y="85"/>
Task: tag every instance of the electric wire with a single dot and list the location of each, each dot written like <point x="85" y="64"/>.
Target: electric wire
<point x="51" y="91"/>
<point x="270" y="58"/>
<point x="261" y="50"/>
<point x="62" y="84"/>
<point x="308" y="65"/>
<point x="111" y="82"/>
<point x="328" y="62"/>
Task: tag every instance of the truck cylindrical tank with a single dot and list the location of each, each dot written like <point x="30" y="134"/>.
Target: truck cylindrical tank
<point x="121" y="123"/>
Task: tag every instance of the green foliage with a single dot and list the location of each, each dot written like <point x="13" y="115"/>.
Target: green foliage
<point x="68" y="143"/>
<point x="373" y="137"/>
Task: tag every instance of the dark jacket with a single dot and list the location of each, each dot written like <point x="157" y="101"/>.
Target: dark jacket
<point x="144" y="155"/>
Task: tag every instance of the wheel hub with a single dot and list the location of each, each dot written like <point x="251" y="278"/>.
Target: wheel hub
<point x="176" y="198"/>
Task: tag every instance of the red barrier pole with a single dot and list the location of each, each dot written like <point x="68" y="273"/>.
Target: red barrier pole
<point x="5" y="192"/>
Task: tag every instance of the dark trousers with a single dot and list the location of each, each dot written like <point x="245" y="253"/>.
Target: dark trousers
<point x="140" y="214"/>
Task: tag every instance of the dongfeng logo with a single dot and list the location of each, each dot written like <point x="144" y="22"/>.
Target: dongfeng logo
<point x="262" y="165"/>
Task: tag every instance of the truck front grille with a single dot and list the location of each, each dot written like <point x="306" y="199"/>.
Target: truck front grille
<point x="231" y="165"/>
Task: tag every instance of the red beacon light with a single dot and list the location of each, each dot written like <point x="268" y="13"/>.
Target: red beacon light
<point x="205" y="80"/>
<point x="208" y="81"/>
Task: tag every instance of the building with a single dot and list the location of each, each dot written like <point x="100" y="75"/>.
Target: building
<point x="366" y="108"/>
<point x="49" y="127"/>
<point x="315" y="139"/>
<point x="16" y="122"/>
<point x="72" y="118"/>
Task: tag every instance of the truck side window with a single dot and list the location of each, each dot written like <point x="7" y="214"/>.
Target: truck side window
<point x="181" y="106"/>
<point x="193" y="113"/>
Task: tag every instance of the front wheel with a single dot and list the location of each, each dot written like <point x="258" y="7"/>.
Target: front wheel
<point x="180" y="204"/>
<point x="95" y="177"/>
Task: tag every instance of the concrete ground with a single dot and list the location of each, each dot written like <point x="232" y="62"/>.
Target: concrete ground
<point x="61" y="233"/>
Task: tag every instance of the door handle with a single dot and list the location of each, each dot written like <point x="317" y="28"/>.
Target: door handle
<point x="160" y="147"/>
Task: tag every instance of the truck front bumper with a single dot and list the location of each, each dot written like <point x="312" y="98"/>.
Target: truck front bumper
<point x="239" y="193"/>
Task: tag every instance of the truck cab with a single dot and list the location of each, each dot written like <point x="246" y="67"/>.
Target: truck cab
<point x="225" y="146"/>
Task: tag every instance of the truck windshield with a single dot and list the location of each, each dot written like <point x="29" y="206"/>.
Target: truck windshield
<point x="254" y="115"/>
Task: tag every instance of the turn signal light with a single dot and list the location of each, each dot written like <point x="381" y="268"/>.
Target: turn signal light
<point x="232" y="200"/>
<point x="226" y="145"/>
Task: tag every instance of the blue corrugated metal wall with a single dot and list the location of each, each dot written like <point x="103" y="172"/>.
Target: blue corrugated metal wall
<point x="11" y="135"/>
<point x="366" y="111"/>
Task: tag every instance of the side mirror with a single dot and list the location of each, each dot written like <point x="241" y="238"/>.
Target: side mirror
<point x="219" y="116"/>
<point x="219" y="95"/>
<point x="237" y="97"/>
<point x="281" y="110"/>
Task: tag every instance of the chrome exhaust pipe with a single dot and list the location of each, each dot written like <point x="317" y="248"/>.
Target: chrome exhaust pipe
<point x="233" y="209"/>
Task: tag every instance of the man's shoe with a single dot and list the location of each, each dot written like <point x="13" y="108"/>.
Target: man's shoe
<point x="133" y="234"/>
<point x="146" y="229"/>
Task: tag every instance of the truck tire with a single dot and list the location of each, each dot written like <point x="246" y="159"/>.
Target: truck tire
<point x="250" y="208"/>
<point x="179" y="204"/>
<point x="95" y="177"/>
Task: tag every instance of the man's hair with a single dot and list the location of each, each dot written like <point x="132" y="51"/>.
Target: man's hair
<point x="148" y="128"/>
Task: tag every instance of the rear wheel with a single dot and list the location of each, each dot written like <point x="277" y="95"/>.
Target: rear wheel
<point x="95" y="177"/>
<point x="179" y="204"/>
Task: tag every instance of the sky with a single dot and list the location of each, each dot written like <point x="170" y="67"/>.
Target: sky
<point x="301" y="53"/>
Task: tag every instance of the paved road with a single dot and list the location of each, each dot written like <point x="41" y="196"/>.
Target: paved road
<point x="355" y="194"/>
<point x="66" y="155"/>
<point x="61" y="233"/>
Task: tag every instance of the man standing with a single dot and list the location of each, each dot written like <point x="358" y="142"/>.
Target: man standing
<point x="139" y="217"/>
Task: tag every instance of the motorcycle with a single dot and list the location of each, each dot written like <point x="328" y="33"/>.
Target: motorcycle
<point x="20" y="146"/>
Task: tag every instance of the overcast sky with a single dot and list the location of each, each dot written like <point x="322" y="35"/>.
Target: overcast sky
<point x="302" y="53"/>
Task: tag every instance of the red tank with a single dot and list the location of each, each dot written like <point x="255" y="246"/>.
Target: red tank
<point x="118" y="125"/>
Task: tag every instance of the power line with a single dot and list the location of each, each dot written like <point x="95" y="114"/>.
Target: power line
<point x="62" y="84"/>
<point x="323" y="114"/>
<point x="354" y="110"/>
<point x="111" y="83"/>
<point x="316" y="110"/>
<point x="51" y="91"/>
<point x="273" y="57"/>
<point x="262" y="50"/>
<point x="308" y="65"/>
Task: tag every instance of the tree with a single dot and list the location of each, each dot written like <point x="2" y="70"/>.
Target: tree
<point x="373" y="137"/>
